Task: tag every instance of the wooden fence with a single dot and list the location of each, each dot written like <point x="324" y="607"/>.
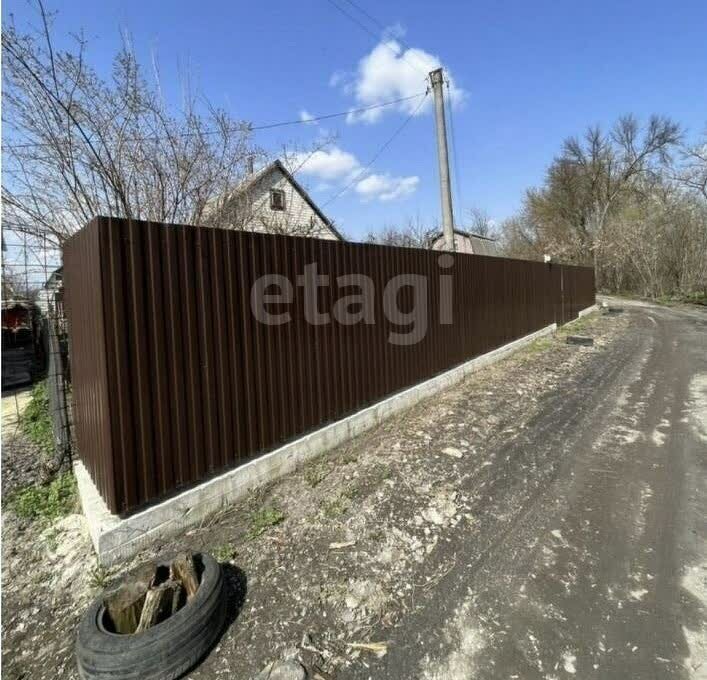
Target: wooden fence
<point x="175" y="379"/>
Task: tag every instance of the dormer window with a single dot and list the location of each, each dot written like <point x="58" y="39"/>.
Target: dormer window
<point x="277" y="199"/>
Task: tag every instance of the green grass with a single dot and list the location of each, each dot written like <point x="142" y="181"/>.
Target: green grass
<point x="384" y="473"/>
<point x="539" y="345"/>
<point x="352" y="491"/>
<point x="335" y="507"/>
<point x="696" y="298"/>
<point x="35" y="421"/>
<point x="349" y="458"/>
<point x="100" y="576"/>
<point x="263" y="519"/>
<point x="224" y="552"/>
<point x="46" y="502"/>
<point x="315" y="474"/>
<point x="576" y="326"/>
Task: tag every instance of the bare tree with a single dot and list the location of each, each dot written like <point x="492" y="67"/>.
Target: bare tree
<point x="413" y="234"/>
<point x="610" y="165"/>
<point x="520" y="238"/>
<point x="693" y="173"/>
<point x="77" y="145"/>
<point x="479" y="222"/>
<point x="659" y="245"/>
<point x="618" y="200"/>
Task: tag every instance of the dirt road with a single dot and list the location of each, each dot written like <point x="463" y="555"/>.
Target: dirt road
<point x="603" y="571"/>
<point x="544" y="519"/>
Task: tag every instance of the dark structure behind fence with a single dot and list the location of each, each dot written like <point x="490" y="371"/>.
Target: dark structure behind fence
<point x="175" y="380"/>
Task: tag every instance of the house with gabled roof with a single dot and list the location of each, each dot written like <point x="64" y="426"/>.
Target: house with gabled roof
<point x="467" y="242"/>
<point x="271" y="200"/>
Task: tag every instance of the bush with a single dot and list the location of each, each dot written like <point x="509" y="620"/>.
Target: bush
<point x="35" y="421"/>
<point x="696" y="298"/>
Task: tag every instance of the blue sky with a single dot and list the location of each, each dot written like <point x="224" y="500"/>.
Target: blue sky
<point x="525" y="76"/>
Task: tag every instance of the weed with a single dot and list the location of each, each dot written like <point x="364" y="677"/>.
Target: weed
<point x="51" y="537"/>
<point x="335" y="507"/>
<point x="576" y="326"/>
<point x="315" y="474"/>
<point x="100" y="576"/>
<point x="384" y="472"/>
<point x="348" y="458"/>
<point x="351" y="491"/>
<point x="263" y="519"/>
<point x="46" y="502"/>
<point x="377" y="535"/>
<point x="224" y="552"/>
<point x="35" y="421"/>
<point x="539" y="345"/>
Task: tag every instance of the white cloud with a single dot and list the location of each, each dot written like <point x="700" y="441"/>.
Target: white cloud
<point x="306" y="117"/>
<point x="334" y="164"/>
<point x="337" y="78"/>
<point x="389" y="72"/>
<point x="335" y="168"/>
<point x="385" y="187"/>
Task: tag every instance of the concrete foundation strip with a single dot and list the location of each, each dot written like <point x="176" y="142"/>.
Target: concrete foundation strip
<point x="116" y="539"/>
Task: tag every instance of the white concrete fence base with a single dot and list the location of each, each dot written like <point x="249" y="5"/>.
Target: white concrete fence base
<point x="116" y="539"/>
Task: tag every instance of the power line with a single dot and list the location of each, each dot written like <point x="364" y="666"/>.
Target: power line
<point x="341" y="113"/>
<point x="252" y="128"/>
<point x="375" y="35"/>
<point x="350" y="16"/>
<point x="367" y="14"/>
<point x="384" y="28"/>
<point x="377" y="155"/>
<point x="360" y="174"/>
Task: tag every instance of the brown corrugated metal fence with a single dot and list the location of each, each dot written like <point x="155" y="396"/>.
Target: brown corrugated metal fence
<point x="174" y="379"/>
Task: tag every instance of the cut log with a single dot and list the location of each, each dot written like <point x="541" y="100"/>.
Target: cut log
<point x="158" y="605"/>
<point x="161" y="575"/>
<point x="176" y="598"/>
<point x="124" y="607"/>
<point x="124" y="604"/>
<point x="184" y="571"/>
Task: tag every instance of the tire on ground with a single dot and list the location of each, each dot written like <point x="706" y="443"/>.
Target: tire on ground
<point x="164" y="652"/>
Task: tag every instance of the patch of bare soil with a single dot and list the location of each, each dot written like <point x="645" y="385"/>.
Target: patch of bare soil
<point x="21" y="462"/>
<point x="325" y="563"/>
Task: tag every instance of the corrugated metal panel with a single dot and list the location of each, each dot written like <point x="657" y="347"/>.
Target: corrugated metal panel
<point x="175" y="379"/>
<point x="483" y="246"/>
<point x="84" y="303"/>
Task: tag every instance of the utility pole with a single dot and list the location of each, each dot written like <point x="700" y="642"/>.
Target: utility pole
<point x="445" y="186"/>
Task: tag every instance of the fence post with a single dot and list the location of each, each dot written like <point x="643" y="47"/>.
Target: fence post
<point x="56" y="391"/>
<point x="562" y="295"/>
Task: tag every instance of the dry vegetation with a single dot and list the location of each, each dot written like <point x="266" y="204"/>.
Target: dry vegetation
<point x="633" y="202"/>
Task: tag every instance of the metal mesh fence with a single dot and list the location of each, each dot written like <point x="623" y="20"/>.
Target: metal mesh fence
<point x="34" y="342"/>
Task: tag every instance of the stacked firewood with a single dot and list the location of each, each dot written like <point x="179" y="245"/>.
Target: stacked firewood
<point x="152" y="595"/>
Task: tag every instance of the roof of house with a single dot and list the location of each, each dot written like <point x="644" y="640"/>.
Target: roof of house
<point x="55" y="279"/>
<point x="278" y="165"/>
<point x="481" y="245"/>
